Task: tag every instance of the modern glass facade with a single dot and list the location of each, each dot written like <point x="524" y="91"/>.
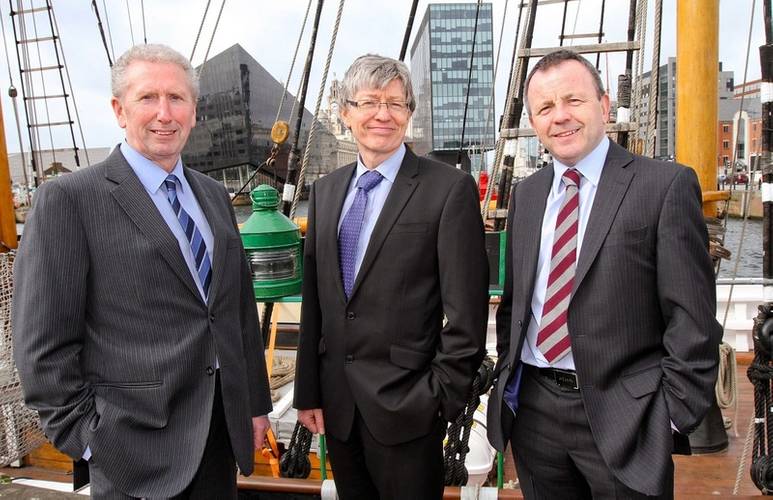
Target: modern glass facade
<point x="440" y="59"/>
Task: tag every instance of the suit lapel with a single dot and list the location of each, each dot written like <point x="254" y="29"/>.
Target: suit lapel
<point x="528" y="228"/>
<point x="130" y="194"/>
<point x="613" y="185"/>
<point x="405" y="184"/>
<point x="209" y="207"/>
<point x="332" y="204"/>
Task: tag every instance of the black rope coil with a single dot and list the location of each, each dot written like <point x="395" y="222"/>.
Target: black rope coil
<point x="457" y="442"/>
<point x="760" y="374"/>
<point x="295" y="460"/>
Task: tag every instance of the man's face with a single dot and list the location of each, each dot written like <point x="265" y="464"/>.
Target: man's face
<point x="381" y="131"/>
<point x="157" y="109"/>
<point x="566" y="113"/>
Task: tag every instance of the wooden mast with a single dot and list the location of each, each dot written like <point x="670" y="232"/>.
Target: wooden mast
<point x="7" y="213"/>
<point x="697" y="69"/>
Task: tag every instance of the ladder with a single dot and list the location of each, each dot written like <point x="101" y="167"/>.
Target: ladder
<point x="509" y="130"/>
<point x="45" y="95"/>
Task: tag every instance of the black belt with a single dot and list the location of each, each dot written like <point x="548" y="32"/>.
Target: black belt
<point x="565" y="379"/>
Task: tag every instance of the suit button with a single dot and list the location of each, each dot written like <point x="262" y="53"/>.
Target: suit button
<point x="348" y="359"/>
<point x="350" y="315"/>
<point x="211" y="318"/>
<point x="210" y="371"/>
<point x="520" y="323"/>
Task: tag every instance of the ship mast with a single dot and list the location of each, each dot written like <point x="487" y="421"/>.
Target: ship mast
<point x="697" y="56"/>
<point x="7" y="213"/>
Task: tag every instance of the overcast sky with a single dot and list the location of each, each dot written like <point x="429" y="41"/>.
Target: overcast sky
<point x="269" y="30"/>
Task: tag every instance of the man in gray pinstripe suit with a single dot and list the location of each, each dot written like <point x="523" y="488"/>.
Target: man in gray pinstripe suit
<point x="135" y="328"/>
<point x="606" y="334"/>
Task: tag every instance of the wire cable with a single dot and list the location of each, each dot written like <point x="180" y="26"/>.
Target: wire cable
<point x="201" y="26"/>
<point x="292" y="64"/>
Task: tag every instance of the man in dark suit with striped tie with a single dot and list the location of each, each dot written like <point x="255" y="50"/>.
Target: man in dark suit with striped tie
<point x="606" y="334"/>
<point x="135" y="328"/>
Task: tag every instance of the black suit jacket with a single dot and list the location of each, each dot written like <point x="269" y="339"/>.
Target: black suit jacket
<point x="114" y="345"/>
<point x="406" y="345"/>
<point x="641" y="317"/>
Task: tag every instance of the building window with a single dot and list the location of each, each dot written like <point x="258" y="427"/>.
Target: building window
<point x="725" y="144"/>
<point x="725" y="128"/>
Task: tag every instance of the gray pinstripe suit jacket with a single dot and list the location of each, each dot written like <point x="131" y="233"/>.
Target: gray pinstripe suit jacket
<point x="113" y="343"/>
<point x="641" y="317"/>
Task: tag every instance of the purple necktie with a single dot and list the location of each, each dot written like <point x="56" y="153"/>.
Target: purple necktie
<point x="349" y="234"/>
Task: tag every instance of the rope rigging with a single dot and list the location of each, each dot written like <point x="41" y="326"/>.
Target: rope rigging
<point x="469" y="84"/>
<point x="292" y="65"/>
<point x="315" y="121"/>
<point x="101" y="32"/>
<point x="201" y="26"/>
<point x="457" y="442"/>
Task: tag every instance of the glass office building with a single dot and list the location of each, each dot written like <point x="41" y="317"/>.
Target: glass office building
<point x="440" y="59"/>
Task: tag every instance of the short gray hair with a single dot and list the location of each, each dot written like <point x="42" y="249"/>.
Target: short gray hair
<point x="375" y="72"/>
<point x="154" y="53"/>
<point x="559" y="57"/>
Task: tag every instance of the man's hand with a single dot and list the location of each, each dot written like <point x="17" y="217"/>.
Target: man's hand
<point x="312" y="420"/>
<point x="260" y="426"/>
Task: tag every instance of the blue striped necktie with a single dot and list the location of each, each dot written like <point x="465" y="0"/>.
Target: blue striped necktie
<point x="198" y="246"/>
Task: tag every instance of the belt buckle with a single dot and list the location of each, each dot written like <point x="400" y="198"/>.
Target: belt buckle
<point x="565" y="378"/>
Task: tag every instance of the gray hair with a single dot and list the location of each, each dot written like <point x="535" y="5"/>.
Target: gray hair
<point x="154" y="53"/>
<point x="558" y="57"/>
<point x="375" y="72"/>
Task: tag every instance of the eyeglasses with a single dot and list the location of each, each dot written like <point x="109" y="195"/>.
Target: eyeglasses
<point x="372" y="106"/>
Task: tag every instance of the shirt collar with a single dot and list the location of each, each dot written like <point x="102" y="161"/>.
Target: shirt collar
<point x="388" y="168"/>
<point x="589" y="167"/>
<point x="150" y="174"/>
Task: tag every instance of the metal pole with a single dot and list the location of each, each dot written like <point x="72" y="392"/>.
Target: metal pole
<point x="408" y="30"/>
<point x="766" y="158"/>
<point x="292" y="161"/>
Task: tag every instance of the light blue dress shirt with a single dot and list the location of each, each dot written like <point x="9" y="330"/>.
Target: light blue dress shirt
<point x="590" y="167"/>
<point x="152" y="178"/>
<point x="376" y="199"/>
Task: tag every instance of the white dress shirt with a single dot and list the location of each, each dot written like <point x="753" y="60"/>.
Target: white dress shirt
<point x="590" y="168"/>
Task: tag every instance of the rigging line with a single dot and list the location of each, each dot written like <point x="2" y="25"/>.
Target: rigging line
<point x="747" y="196"/>
<point x="57" y="48"/>
<point x="292" y="64"/>
<point x="101" y="31"/>
<point x="144" y="31"/>
<point x="601" y="29"/>
<point x="312" y="129"/>
<point x="490" y="107"/>
<point x="24" y="77"/>
<point x="469" y="85"/>
<point x="509" y="96"/>
<point x="72" y="90"/>
<point x="576" y="16"/>
<point x="12" y="94"/>
<point x="408" y="29"/>
<point x="43" y="84"/>
<point x="109" y="32"/>
<point x="489" y="187"/>
<point x="201" y="26"/>
<point x="563" y="25"/>
<point x="129" y="15"/>
<point x="30" y="111"/>
<point x="214" y="30"/>
<point x="636" y="99"/>
<point x="654" y="82"/>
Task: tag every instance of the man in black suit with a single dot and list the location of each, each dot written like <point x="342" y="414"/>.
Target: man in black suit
<point x="135" y="327"/>
<point x="394" y="298"/>
<point x="606" y="334"/>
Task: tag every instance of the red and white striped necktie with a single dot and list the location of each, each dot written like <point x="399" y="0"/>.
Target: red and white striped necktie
<point x="553" y="337"/>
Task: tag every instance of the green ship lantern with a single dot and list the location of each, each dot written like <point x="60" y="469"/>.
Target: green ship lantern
<point x="273" y="246"/>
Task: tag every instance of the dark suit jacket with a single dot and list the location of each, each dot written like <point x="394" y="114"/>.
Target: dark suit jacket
<point x="387" y="351"/>
<point x="114" y="345"/>
<point x="641" y="318"/>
